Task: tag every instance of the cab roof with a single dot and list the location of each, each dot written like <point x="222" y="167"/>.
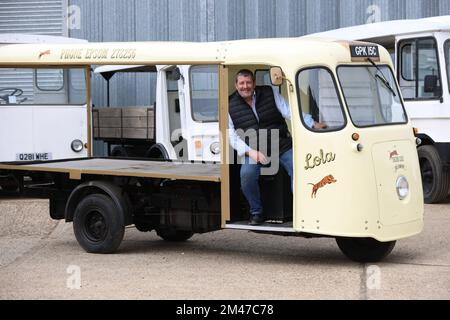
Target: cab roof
<point x="278" y="51"/>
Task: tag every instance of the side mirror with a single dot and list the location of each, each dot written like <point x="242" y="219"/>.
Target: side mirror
<point x="430" y="83"/>
<point x="276" y="76"/>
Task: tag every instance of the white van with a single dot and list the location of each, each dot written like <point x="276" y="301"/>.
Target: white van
<point x="42" y="110"/>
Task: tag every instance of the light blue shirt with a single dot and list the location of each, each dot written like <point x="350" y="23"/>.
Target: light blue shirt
<point x="240" y="146"/>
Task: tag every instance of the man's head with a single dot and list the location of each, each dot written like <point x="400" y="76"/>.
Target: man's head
<point x="245" y="83"/>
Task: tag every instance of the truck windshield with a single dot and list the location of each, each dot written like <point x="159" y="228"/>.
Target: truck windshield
<point x="29" y="86"/>
<point x="447" y="60"/>
<point x="372" y="95"/>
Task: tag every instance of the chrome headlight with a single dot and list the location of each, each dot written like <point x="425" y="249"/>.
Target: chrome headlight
<point x="402" y="187"/>
<point x="215" y="147"/>
<point x="77" y="145"/>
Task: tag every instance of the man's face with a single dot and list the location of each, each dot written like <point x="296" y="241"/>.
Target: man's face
<point x="245" y="86"/>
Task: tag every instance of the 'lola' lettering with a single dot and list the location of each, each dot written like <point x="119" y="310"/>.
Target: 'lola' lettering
<point x="311" y="162"/>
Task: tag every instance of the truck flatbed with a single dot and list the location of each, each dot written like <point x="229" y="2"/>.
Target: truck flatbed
<point x="124" y="168"/>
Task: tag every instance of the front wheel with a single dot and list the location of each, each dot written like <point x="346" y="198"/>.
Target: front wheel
<point x="98" y="224"/>
<point x="174" y="235"/>
<point x="365" y="249"/>
<point x="435" y="180"/>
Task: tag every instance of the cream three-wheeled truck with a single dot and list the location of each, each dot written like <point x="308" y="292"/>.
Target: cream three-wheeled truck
<point x="358" y="180"/>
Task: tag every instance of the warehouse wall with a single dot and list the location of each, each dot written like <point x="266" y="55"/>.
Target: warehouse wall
<point x="36" y="17"/>
<point x="214" y="20"/>
<point x="209" y="20"/>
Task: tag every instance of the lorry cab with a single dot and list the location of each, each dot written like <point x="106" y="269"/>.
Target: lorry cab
<point x="420" y="51"/>
<point x="188" y="96"/>
<point x="183" y="103"/>
<point x="359" y="177"/>
<point x="37" y="106"/>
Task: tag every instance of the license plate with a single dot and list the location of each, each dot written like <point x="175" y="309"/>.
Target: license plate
<point x="364" y="51"/>
<point x="36" y="156"/>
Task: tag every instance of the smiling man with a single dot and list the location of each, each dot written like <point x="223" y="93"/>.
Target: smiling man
<point x="258" y="113"/>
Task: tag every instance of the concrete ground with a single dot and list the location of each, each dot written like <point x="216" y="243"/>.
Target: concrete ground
<point x="41" y="259"/>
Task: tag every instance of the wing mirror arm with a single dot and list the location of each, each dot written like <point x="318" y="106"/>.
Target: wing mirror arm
<point x="277" y="77"/>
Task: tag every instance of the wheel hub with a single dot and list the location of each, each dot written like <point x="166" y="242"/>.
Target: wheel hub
<point x="95" y="227"/>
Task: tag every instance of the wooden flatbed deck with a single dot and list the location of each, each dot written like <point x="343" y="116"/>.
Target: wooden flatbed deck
<point x="124" y="168"/>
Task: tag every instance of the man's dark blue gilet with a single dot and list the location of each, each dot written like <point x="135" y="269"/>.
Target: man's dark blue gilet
<point x="269" y="118"/>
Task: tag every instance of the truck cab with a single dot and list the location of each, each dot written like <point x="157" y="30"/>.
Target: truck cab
<point x="420" y="50"/>
<point x="184" y="113"/>
<point x="188" y="96"/>
<point x="38" y="105"/>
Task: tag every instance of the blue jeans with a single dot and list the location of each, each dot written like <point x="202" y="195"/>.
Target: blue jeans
<point x="250" y="173"/>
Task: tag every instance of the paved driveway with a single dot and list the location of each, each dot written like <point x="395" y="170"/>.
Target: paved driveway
<point x="40" y="259"/>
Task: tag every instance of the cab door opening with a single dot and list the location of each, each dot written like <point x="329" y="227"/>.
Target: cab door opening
<point x="275" y="187"/>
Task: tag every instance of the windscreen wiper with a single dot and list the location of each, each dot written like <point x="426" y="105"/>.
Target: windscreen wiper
<point x="382" y="78"/>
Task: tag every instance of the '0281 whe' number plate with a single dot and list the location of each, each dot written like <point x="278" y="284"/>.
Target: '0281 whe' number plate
<point x="34" y="156"/>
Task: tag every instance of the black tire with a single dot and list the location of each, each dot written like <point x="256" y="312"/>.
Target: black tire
<point x="174" y="235"/>
<point x="435" y="181"/>
<point x="98" y="224"/>
<point x="365" y="249"/>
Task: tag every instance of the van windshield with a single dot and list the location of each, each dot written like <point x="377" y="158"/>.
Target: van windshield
<point x="372" y="95"/>
<point x="447" y="60"/>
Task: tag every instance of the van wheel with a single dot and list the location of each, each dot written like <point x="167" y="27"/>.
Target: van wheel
<point x="174" y="235"/>
<point x="98" y="224"/>
<point x="365" y="249"/>
<point x="435" y="181"/>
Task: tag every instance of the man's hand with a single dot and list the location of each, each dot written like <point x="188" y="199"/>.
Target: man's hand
<point x="319" y="125"/>
<point x="258" y="157"/>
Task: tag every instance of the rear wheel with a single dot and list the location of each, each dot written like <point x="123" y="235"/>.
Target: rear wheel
<point x="98" y="224"/>
<point x="365" y="249"/>
<point x="435" y="181"/>
<point x="174" y="235"/>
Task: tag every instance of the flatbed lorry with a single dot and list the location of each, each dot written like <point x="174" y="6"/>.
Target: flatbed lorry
<point x="357" y="180"/>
